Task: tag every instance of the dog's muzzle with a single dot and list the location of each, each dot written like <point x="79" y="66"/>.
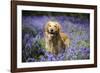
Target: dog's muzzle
<point x="51" y="31"/>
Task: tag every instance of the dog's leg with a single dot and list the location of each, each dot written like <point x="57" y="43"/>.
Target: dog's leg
<point x="67" y="43"/>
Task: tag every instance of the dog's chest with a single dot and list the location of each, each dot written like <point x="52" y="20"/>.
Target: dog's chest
<point x="54" y="44"/>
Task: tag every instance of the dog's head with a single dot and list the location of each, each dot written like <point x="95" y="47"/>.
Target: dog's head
<point x="52" y="27"/>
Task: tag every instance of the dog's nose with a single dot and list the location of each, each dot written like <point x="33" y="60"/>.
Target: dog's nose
<point x="51" y="30"/>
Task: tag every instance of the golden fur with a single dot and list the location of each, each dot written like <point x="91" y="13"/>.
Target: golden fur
<point x="55" y="39"/>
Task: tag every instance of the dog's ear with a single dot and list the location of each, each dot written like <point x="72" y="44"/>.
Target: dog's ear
<point x="59" y="26"/>
<point x="46" y="27"/>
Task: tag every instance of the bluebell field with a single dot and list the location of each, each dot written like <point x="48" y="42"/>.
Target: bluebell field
<point x="76" y="26"/>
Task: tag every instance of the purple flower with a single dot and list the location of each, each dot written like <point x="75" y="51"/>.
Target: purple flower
<point x="42" y="58"/>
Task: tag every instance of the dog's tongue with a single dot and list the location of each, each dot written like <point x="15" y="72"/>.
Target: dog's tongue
<point x="52" y="35"/>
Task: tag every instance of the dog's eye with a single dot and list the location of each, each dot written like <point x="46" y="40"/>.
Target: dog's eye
<point x="49" y="25"/>
<point x="55" y="26"/>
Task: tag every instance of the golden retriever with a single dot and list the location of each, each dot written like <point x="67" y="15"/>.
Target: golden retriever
<point x="55" y="40"/>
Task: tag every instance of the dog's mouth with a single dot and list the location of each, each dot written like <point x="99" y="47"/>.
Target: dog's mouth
<point x="52" y="32"/>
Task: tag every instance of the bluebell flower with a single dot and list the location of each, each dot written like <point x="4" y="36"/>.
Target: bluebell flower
<point x="42" y="58"/>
